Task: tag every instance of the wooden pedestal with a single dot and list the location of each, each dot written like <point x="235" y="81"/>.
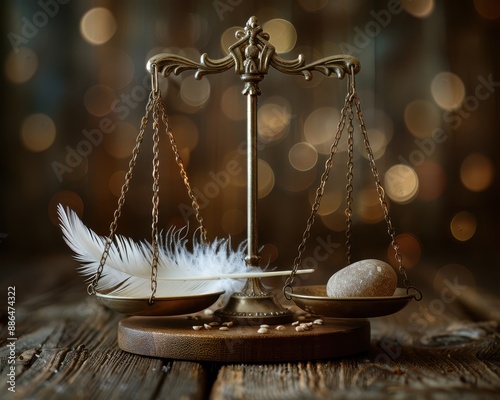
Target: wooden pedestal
<point x="174" y="337"/>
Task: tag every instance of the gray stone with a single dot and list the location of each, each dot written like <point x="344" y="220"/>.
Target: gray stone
<point x="365" y="278"/>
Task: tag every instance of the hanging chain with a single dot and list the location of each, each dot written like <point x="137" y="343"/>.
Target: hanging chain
<point x="91" y="289"/>
<point x="383" y="203"/>
<point x="156" y="194"/>
<point x="349" y="187"/>
<point x="351" y="105"/>
<point x="319" y="194"/>
<point x="194" y="201"/>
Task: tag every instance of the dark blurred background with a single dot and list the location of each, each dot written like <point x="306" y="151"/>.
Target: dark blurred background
<point x="75" y="87"/>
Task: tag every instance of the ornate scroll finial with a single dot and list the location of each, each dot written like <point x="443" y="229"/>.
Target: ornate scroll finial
<point x="251" y="55"/>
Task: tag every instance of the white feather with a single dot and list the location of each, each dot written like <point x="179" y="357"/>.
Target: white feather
<point x="127" y="271"/>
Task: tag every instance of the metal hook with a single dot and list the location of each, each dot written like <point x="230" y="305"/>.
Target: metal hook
<point x="154" y="79"/>
<point x="286" y="292"/>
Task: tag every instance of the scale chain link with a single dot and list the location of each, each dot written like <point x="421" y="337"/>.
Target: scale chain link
<point x="383" y="203"/>
<point x="349" y="186"/>
<point x="91" y="289"/>
<point x="178" y="159"/>
<point x="319" y="194"/>
<point x="352" y="105"/>
<point x="156" y="194"/>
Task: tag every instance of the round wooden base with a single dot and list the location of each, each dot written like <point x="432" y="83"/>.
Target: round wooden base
<point x="174" y="337"/>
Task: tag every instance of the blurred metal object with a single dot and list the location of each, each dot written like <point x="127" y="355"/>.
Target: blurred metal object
<point x="251" y="56"/>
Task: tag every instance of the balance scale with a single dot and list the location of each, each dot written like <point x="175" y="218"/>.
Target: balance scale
<point x="255" y="326"/>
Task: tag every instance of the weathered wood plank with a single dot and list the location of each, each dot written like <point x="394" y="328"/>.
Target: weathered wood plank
<point x="66" y="349"/>
<point x="427" y="351"/>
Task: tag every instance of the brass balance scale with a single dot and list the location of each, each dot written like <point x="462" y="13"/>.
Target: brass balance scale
<point x="159" y="326"/>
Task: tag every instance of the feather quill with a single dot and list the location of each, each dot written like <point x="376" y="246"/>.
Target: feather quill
<point x="127" y="272"/>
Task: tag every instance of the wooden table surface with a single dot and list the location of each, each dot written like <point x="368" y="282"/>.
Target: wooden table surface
<point x="442" y="347"/>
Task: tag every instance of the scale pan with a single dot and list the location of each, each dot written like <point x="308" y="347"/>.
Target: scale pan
<point x="314" y="300"/>
<point x="163" y="306"/>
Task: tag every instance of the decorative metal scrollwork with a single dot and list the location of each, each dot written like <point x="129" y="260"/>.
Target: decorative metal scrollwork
<point x="251" y="55"/>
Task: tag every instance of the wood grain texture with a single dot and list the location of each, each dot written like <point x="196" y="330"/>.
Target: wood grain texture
<point x="174" y="337"/>
<point x="67" y="349"/>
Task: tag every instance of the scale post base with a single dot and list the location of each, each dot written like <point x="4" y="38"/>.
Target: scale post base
<point x="254" y="305"/>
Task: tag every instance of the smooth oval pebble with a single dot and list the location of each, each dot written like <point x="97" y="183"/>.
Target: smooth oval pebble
<point x="365" y="278"/>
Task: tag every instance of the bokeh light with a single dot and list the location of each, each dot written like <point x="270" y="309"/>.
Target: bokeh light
<point x="302" y="156"/>
<point x="477" y="172"/>
<point x="453" y="274"/>
<point x="67" y="198"/>
<point x="421" y="118"/>
<point x="98" y="100"/>
<point x="369" y="209"/>
<point x="21" y="65"/>
<point x="185" y="131"/>
<point x="274" y="119"/>
<point x="401" y="183"/>
<point x="117" y="70"/>
<point x="420" y="9"/>
<point x="282" y="34"/>
<point x="195" y="92"/>
<point x="378" y="143"/>
<point x="320" y="127"/>
<point x="330" y="202"/>
<point x="334" y="221"/>
<point x="265" y="179"/>
<point x="409" y="248"/>
<point x="489" y="9"/>
<point x="228" y="38"/>
<point x="116" y="182"/>
<point x="38" y="132"/>
<point x="98" y="25"/>
<point x="463" y="226"/>
<point x="448" y="90"/>
<point x="432" y="180"/>
<point x="313" y="5"/>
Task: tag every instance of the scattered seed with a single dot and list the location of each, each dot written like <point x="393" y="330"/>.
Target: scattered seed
<point x="208" y="311"/>
<point x="295" y="323"/>
<point x="197" y="327"/>
<point x="301" y="318"/>
<point x="223" y="328"/>
<point x="318" y="322"/>
<point x="207" y="327"/>
<point x="304" y="326"/>
<point x="263" y="330"/>
<point x="280" y="328"/>
<point x="309" y="324"/>
<point x="299" y="328"/>
<point x="214" y="323"/>
<point x="307" y="315"/>
<point x="228" y="324"/>
<point x="264" y="326"/>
